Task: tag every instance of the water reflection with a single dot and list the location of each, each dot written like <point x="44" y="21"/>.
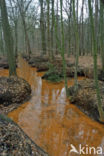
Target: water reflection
<point x="50" y="120"/>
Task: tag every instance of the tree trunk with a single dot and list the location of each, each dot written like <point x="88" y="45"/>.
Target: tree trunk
<point x="102" y="34"/>
<point x="96" y="22"/>
<point x="48" y="26"/>
<point x="52" y="29"/>
<point x="82" y="38"/>
<point x="8" y="38"/>
<point x="77" y="45"/>
<point x="62" y="46"/>
<point x="56" y="28"/>
<point x="16" y="40"/>
<point x="42" y="27"/>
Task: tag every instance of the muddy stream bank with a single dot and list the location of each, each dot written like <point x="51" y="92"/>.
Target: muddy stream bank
<point x="50" y="120"/>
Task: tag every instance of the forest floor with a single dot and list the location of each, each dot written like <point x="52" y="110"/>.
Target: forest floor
<point x="85" y="67"/>
<point x="13" y="92"/>
<point x="13" y="141"/>
<point x="85" y="61"/>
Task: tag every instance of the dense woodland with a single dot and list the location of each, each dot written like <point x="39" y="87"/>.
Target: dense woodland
<point x="36" y="26"/>
<point x="47" y="35"/>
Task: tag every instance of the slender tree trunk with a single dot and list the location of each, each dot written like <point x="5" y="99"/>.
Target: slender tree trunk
<point x="16" y="40"/>
<point x="8" y="38"/>
<point x="96" y="22"/>
<point x="42" y="27"/>
<point x="56" y="28"/>
<point x="102" y="34"/>
<point x="62" y="46"/>
<point x="1" y="41"/>
<point x="69" y="29"/>
<point x="94" y="44"/>
<point x="52" y="28"/>
<point x="82" y="39"/>
<point x="48" y="26"/>
<point x="77" y="45"/>
<point x="26" y="36"/>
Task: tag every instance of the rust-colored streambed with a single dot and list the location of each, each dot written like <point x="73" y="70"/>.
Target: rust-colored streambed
<point x="50" y="120"/>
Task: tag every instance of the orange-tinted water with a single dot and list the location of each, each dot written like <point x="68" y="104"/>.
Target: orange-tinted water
<point x="50" y="120"/>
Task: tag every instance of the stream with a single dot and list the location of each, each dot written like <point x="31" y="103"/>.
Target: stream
<point x="50" y="120"/>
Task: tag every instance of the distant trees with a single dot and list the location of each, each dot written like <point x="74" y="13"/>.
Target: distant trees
<point x="8" y="38"/>
<point x="23" y="10"/>
<point x="44" y="17"/>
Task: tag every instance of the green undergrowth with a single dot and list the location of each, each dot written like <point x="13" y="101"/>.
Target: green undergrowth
<point x="53" y="75"/>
